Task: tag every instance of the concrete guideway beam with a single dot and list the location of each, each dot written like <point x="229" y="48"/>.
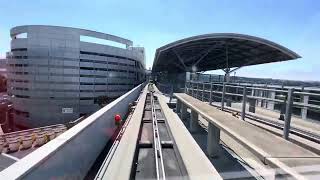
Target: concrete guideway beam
<point x="256" y="140"/>
<point x="196" y="162"/>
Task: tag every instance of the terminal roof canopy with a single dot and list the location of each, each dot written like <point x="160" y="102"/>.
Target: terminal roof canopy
<point x="218" y="51"/>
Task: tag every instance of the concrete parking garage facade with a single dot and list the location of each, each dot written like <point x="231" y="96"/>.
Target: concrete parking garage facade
<point x="54" y="77"/>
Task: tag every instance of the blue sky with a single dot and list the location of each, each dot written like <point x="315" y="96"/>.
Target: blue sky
<point x="151" y="24"/>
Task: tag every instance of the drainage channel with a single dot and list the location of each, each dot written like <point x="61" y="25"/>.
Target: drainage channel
<point x="156" y="155"/>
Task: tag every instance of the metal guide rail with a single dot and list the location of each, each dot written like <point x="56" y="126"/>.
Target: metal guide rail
<point x="156" y="156"/>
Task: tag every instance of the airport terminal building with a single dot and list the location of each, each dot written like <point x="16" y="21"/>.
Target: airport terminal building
<point x="55" y="77"/>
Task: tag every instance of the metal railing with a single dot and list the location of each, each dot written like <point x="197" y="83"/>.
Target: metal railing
<point x="220" y="93"/>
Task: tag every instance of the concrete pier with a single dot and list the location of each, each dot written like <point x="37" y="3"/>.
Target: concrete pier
<point x="252" y="105"/>
<point x="270" y="104"/>
<point x="194" y="125"/>
<point x="178" y="107"/>
<point x="304" y="110"/>
<point x="184" y="112"/>
<point x="213" y="140"/>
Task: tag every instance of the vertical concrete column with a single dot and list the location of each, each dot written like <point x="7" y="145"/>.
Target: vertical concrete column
<point x="197" y="96"/>
<point x="244" y="102"/>
<point x="194" y="125"/>
<point x="237" y="92"/>
<point x="203" y="85"/>
<point x="252" y="92"/>
<point x="185" y="88"/>
<point x="272" y="95"/>
<point x="287" y="118"/>
<point x="304" y="110"/>
<point x="223" y="96"/>
<point x="210" y="96"/>
<point x="260" y="101"/>
<point x="228" y="102"/>
<point x="184" y="112"/>
<point x="252" y="105"/>
<point x="213" y="140"/>
<point x="178" y="106"/>
<point x="171" y="93"/>
<point x="192" y="86"/>
<point x="264" y="105"/>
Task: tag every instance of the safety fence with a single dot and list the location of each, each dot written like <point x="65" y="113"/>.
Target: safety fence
<point x="245" y="100"/>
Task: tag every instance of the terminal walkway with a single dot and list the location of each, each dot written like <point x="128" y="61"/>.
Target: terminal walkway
<point x="269" y="148"/>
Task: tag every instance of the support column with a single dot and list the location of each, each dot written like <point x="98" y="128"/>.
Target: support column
<point x="252" y="105"/>
<point x="178" y="106"/>
<point x="192" y="86"/>
<point x="210" y="96"/>
<point x="228" y="102"/>
<point x="237" y="92"/>
<point x="223" y="96"/>
<point x="252" y="92"/>
<point x="185" y="88"/>
<point x="194" y="125"/>
<point x="272" y="95"/>
<point x="244" y="102"/>
<point x="203" y="92"/>
<point x="304" y="110"/>
<point x="213" y="140"/>
<point x="184" y="112"/>
<point x="283" y="108"/>
<point x="260" y="101"/>
<point x="171" y="93"/>
<point x="287" y="118"/>
<point x="197" y="91"/>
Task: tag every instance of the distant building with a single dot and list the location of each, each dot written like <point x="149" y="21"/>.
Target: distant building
<point x="55" y="77"/>
<point x="3" y="67"/>
<point x="3" y="75"/>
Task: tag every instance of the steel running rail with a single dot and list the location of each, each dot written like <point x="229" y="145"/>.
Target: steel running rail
<point x="157" y="143"/>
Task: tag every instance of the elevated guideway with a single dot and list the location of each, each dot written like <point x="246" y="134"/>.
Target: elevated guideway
<point x="156" y="145"/>
<point x="152" y="143"/>
<point x="269" y="148"/>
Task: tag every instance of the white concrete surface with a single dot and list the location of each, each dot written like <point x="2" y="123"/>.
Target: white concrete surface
<point x="72" y="154"/>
